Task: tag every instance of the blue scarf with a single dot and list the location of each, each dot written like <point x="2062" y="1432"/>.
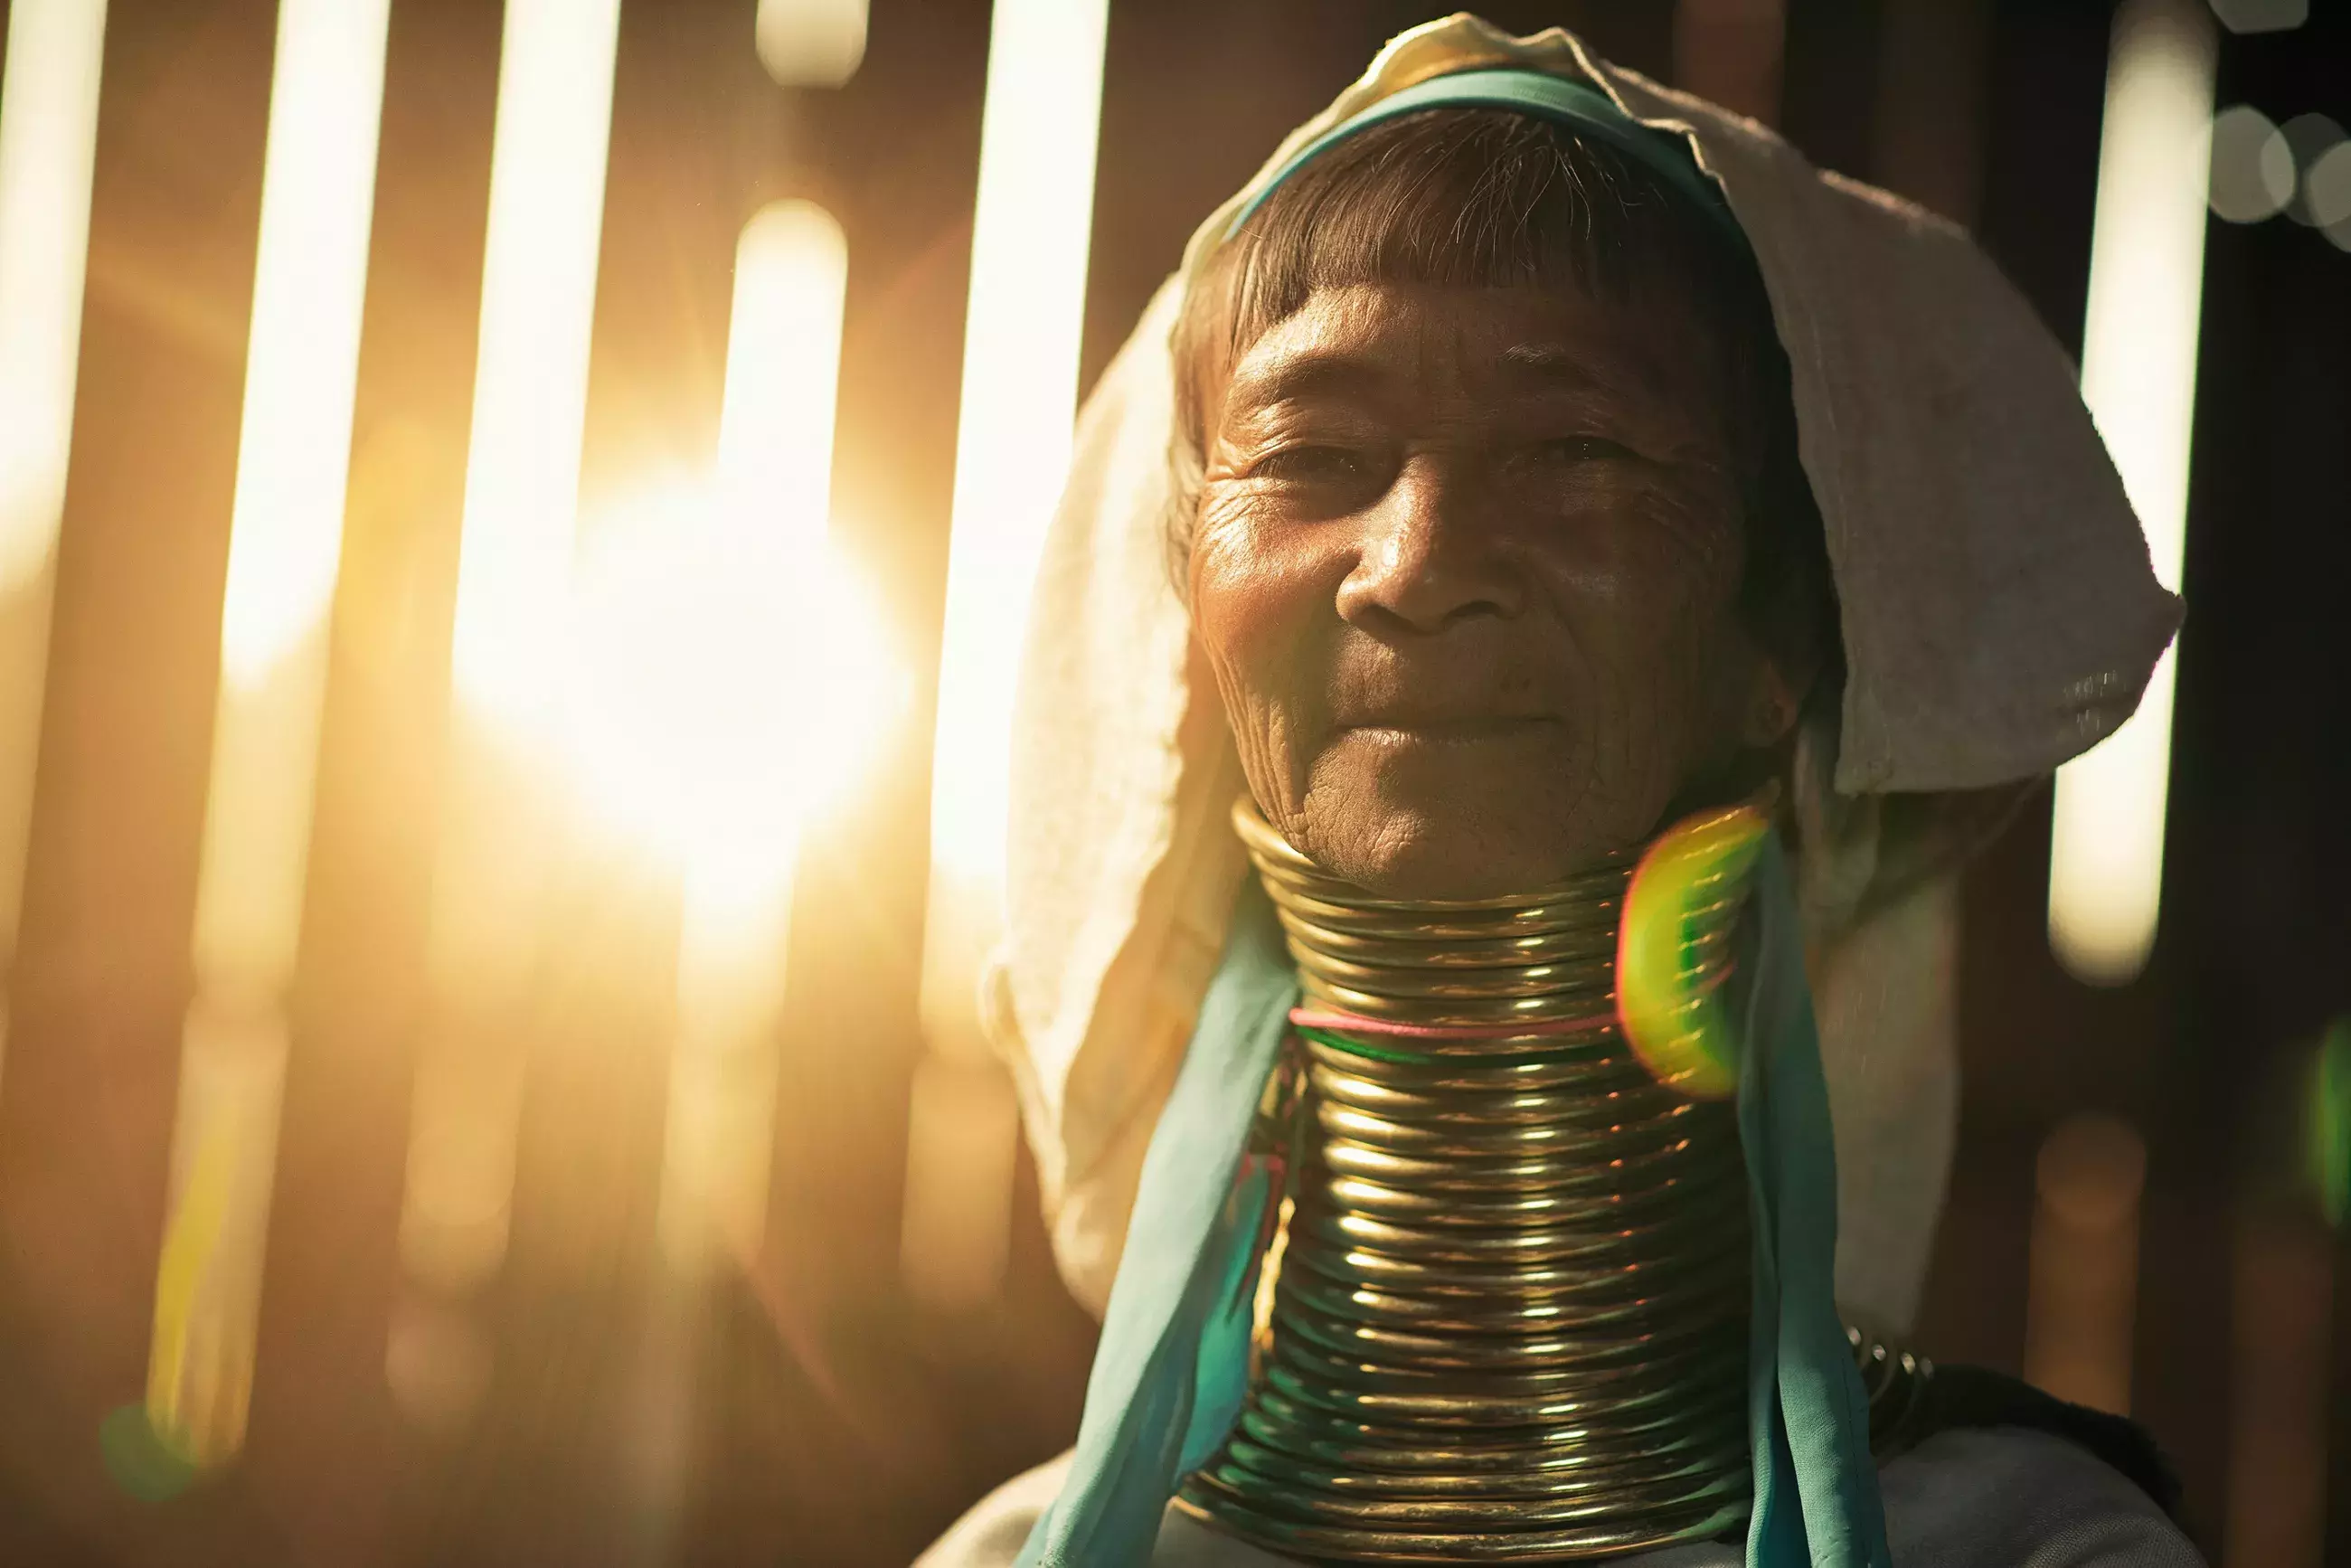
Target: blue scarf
<point x="1172" y="1370"/>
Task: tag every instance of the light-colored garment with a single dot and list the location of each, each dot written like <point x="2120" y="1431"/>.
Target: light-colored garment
<point x="2001" y="1496"/>
<point x="1999" y="616"/>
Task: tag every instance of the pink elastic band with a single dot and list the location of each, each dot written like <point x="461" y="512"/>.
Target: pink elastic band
<point x="1310" y="1017"/>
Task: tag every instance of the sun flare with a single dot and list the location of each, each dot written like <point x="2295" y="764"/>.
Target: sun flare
<point x="721" y="685"/>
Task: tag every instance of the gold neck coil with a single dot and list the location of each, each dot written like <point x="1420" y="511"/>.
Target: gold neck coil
<point x="1511" y="1320"/>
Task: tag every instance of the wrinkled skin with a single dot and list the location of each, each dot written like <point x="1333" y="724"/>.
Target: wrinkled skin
<point x="1467" y="567"/>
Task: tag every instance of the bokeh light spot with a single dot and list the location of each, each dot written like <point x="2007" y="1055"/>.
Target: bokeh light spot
<point x="2252" y="167"/>
<point x="437" y="1365"/>
<point x="2091" y="1170"/>
<point x="139" y="1458"/>
<point x="2311" y="138"/>
<point x="2326" y="191"/>
<point x="810" y="43"/>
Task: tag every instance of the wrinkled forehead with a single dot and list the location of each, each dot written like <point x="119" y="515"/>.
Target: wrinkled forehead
<point x="1459" y="353"/>
<point x="1553" y="240"/>
<point x="1385" y="346"/>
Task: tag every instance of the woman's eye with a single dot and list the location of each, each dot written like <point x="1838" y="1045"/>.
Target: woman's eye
<point x="1313" y="465"/>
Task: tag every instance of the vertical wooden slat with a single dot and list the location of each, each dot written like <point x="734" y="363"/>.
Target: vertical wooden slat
<point x="102" y="972"/>
<point x="558" y="1463"/>
<point x="328" y="1451"/>
<point x="1928" y="129"/>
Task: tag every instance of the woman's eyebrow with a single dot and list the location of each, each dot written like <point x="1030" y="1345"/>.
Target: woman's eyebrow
<point x="1556" y="367"/>
<point x="1625" y="379"/>
<point x="1299" y="375"/>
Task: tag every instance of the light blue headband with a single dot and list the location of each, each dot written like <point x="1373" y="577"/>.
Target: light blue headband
<point x="1583" y="109"/>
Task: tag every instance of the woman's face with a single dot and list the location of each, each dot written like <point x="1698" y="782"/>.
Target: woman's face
<point x="1467" y="567"/>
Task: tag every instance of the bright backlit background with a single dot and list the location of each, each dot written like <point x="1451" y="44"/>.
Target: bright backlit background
<point x="515" y="527"/>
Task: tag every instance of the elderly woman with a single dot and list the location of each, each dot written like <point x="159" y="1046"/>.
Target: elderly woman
<point x="1617" y="571"/>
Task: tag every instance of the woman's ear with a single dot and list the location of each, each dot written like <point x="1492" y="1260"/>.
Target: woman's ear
<point x="1788" y="655"/>
<point x="1774" y="703"/>
<point x="1783" y="671"/>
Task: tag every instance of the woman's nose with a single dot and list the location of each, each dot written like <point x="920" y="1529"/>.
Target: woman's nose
<point x="1429" y="558"/>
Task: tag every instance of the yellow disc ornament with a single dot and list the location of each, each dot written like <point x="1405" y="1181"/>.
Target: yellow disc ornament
<point x="1674" y="949"/>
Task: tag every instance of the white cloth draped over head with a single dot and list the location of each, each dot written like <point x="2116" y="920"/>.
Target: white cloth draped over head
<point x="1999" y="616"/>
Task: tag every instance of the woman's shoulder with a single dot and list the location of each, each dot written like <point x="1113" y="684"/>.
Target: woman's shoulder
<point x="2022" y="1496"/>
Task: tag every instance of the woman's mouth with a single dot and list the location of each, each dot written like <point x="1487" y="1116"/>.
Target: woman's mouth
<point x="1449" y="730"/>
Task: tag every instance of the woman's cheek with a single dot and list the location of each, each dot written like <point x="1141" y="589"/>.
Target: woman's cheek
<point x="1249" y="613"/>
<point x="1260" y="584"/>
<point x="1645" y="589"/>
<point x="1231" y="601"/>
<point x="1653" y="557"/>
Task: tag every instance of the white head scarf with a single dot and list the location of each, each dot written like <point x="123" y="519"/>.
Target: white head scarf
<point x="1999" y="616"/>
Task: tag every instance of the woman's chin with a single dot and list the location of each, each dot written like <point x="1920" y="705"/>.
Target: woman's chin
<point x="1463" y="848"/>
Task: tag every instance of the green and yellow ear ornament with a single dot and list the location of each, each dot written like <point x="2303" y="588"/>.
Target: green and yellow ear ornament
<point x="1673" y="948"/>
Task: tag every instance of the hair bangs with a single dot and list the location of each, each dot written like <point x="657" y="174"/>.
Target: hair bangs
<point x="1494" y="198"/>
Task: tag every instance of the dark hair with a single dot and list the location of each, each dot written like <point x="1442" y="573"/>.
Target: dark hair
<point x="1491" y="197"/>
